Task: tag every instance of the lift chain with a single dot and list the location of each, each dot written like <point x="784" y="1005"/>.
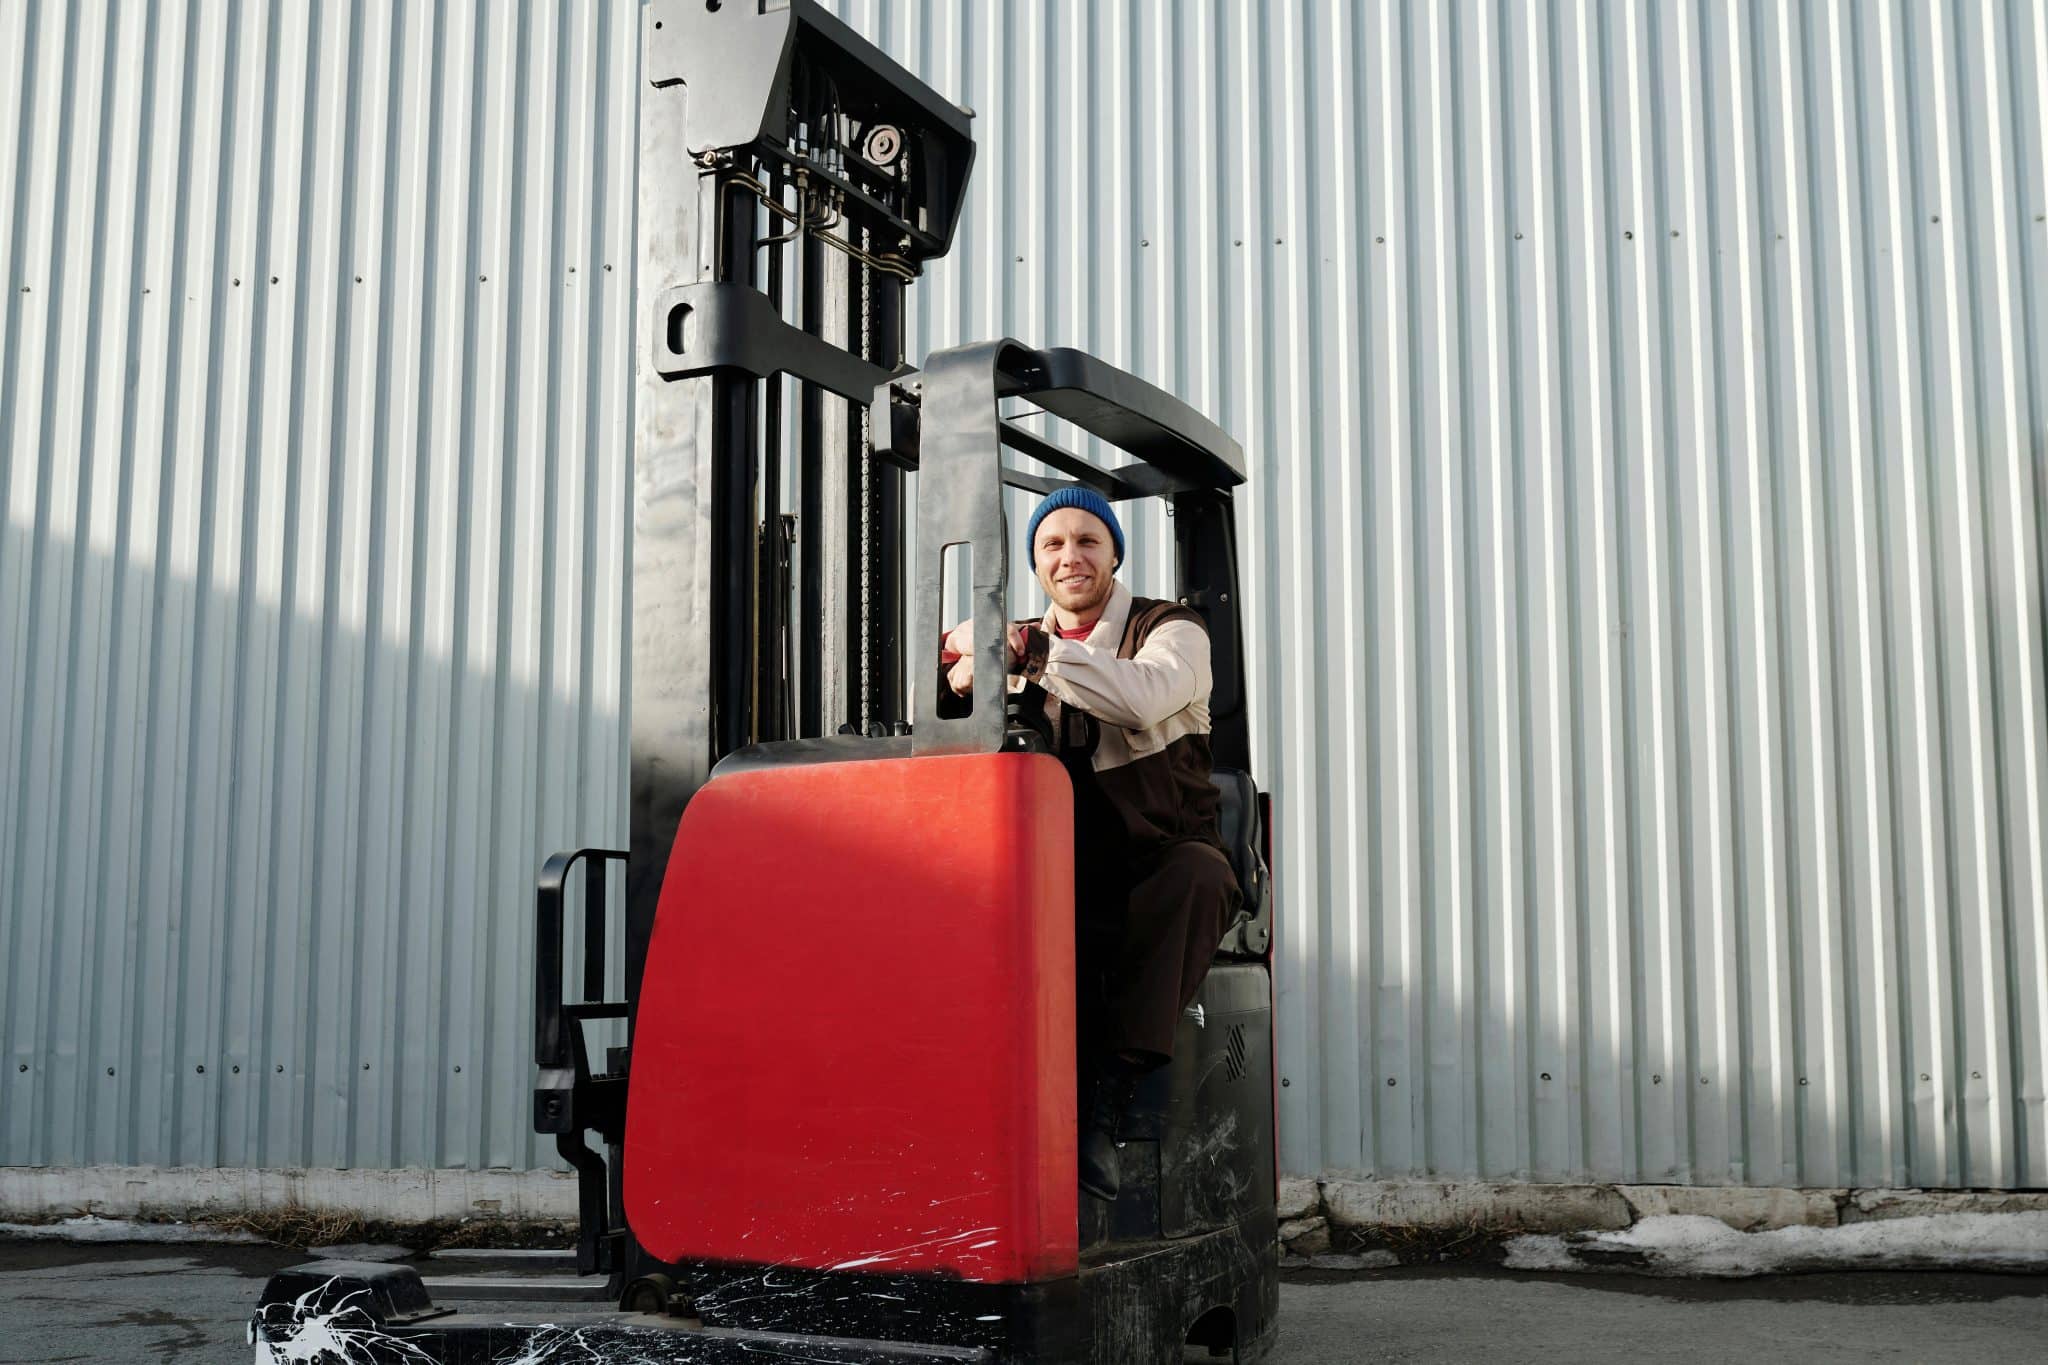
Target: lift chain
<point x="867" y="503"/>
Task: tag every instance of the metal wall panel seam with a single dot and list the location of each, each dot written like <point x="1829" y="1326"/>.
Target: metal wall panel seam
<point x="618" y="368"/>
<point x="2000" y="1016"/>
<point x="1969" y="871"/>
<point x="560" y="576"/>
<point x="201" y="833"/>
<point x="497" y="241"/>
<point x="1503" y="1058"/>
<point x="2023" y="822"/>
<point x="234" y="399"/>
<point x="282" y="985"/>
<point x="1388" y="1010"/>
<point x="1337" y="1112"/>
<point x="511" y="790"/>
<point x="445" y="271"/>
<point x="135" y="1061"/>
<point x="273" y="422"/>
<point x="79" y="428"/>
<point x="109" y="1126"/>
<point x="1812" y="857"/>
<point x="1917" y="1014"/>
<point x="368" y="270"/>
<point x="1289" y="512"/>
<point x="2033" y="1092"/>
<point x="18" y="465"/>
<point x="1871" y="1105"/>
<point x="338" y="775"/>
<point x="1439" y="1121"/>
<point x="23" y="403"/>
<point x="471" y="792"/>
<point x="1749" y="664"/>
<point x="1654" y="974"/>
<point x="1555" y="1117"/>
<point x="1607" y="1041"/>
<point x="397" y="1050"/>
<point x="1888" y="918"/>
<point x="1710" y="1011"/>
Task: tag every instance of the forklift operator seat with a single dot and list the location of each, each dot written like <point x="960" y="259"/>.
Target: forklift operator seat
<point x="1244" y="837"/>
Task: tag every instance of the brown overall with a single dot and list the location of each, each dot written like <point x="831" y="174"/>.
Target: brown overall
<point x="1153" y="891"/>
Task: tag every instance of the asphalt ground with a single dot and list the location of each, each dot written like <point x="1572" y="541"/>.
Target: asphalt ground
<point x="188" y="1304"/>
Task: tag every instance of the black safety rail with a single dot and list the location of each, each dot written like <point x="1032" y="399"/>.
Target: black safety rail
<point x="569" y="1099"/>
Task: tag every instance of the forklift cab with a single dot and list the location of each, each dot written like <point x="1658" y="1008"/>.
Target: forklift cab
<point x="853" y="1095"/>
<point x="842" y="1125"/>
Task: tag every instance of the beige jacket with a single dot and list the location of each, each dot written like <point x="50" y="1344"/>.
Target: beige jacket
<point x="1129" y="708"/>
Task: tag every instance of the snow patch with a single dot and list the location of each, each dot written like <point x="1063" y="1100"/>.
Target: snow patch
<point x="1690" y="1244"/>
<point x="90" y="1229"/>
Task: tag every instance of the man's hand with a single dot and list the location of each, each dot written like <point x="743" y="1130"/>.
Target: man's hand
<point x="960" y="646"/>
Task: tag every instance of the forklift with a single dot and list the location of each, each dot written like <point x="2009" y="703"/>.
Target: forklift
<point x="842" y="1125"/>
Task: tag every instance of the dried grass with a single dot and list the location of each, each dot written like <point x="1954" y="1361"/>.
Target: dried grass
<point x="307" y="1228"/>
<point x="294" y="1225"/>
<point x="537" y="1234"/>
<point x="1420" y="1245"/>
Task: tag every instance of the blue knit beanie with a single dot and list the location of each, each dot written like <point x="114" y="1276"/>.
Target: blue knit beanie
<point x="1087" y="500"/>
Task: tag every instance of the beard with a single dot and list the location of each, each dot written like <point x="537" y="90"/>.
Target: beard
<point x="1085" y="599"/>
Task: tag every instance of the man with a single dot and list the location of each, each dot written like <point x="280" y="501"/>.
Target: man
<point x="1124" y="683"/>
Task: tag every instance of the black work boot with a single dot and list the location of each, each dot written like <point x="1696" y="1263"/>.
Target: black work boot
<point x="1102" y="1117"/>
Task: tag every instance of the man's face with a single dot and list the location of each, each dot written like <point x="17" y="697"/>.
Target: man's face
<point x="1075" y="559"/>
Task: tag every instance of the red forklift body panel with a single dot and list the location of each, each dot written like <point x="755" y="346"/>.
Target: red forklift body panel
<point x="855" y="1045"/>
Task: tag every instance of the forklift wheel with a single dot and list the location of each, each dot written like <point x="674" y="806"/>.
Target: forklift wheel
<point x="656" y="1295"/>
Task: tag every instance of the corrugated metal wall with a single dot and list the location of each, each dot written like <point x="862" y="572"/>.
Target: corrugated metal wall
<point x="315" y="396"/>
<point x="1649" y="415"/>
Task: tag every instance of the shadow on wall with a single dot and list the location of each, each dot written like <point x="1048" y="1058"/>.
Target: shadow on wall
<point x="266" y="875"/>
<point x="315" y="399"/>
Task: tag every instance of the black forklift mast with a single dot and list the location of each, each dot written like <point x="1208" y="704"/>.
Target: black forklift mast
<point x="794" y="180"/>
<point x="782" y="157"/>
